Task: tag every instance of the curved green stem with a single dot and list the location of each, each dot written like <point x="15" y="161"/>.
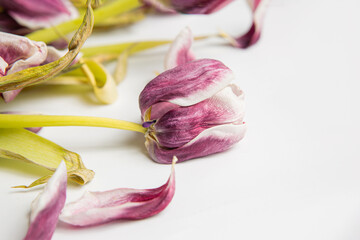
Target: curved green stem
<point x="26" y="121"/>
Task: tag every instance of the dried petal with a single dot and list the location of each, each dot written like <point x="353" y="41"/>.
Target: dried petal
<point x="186" y="84"/>
<point x="179" y="52"/>
<point x="39" y="13"/>
<point x="100" y="207"/>
<point x="46" y="208"/>
<point x="18" y="53"/>
<point x="258" y="8"/>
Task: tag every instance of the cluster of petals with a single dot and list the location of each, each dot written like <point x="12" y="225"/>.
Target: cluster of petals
<point x="193" y="109"/>
<point x="18" y="53"/>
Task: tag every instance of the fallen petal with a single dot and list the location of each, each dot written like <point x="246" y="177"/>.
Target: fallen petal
<point x="179" y="52"/>
<point x="46" y="208"/>
<point x="124" y="203"/>
<point x="258" y="8"/>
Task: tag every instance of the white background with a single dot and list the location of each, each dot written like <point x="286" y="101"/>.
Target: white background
<point x="294" y="176"/>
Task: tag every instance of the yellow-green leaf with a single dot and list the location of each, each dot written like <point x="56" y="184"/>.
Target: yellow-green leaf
<point x="23" y="145"/>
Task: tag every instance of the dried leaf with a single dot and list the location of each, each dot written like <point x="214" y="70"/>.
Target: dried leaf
<point x="20" y="144"/>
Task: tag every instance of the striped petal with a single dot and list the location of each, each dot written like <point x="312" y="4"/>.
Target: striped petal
<point x="39" y="13"/>
<point x="210" y="141"/>
<point x="18" y="53"/>
<point x="100" y="207"/>
<point x="179" y="52"/>
<point x="258" y="8"/>
<point x="187" y="84"/>
<point x="179" y="126"/>
<point x="46" y="208"/>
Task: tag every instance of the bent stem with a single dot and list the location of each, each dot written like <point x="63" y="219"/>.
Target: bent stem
<point x="26" y="121"/>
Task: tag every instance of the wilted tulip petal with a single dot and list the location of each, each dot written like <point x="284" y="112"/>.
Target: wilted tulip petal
<point x="46" y="208"/>
<point x="124" y="203"/>
<point x="180" y="125"/>
<point x="210" y="141"/>
<point x="18" y="53"/>
<point x="186" y="84"/>
<point x="258" y="8"/>
<point x="179" y="52"/>
<point x="39" y="13"/>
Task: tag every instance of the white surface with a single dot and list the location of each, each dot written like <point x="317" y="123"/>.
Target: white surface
<point x="294" y="176"/>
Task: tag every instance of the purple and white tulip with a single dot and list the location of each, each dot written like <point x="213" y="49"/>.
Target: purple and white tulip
<point x="124" y="203"/>
<point x="35" y="14"/>
<point x="46" y="208"/>
<point x="188" y="6"/>
<point x="18" y="53"/>
<point x="191" y="110"/>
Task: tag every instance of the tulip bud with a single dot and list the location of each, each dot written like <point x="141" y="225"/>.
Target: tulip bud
<point x="191" y="111"/>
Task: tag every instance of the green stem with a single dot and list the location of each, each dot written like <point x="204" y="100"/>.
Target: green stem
<point x="112" y="9"/>
<point x="27" y="121"/>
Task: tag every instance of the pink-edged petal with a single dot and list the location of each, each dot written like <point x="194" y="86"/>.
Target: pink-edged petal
<point x="180" y="52"/>
<point x="186" y="84"/>
<point x="20" y="52"/>
<point x="40" y="13"/>
<point x="258" y="8"/>
<point x="179" y="126"/>
<point x="100" y="207"/>
<point x="199" y="6"/>
<point x="47" y="206"/>
<point x="210" y="141"/>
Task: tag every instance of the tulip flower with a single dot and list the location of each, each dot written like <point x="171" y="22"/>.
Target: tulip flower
<point x="18" y="53"/>
<point x="191" y="111"/>
<point x="35" y="14"/>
